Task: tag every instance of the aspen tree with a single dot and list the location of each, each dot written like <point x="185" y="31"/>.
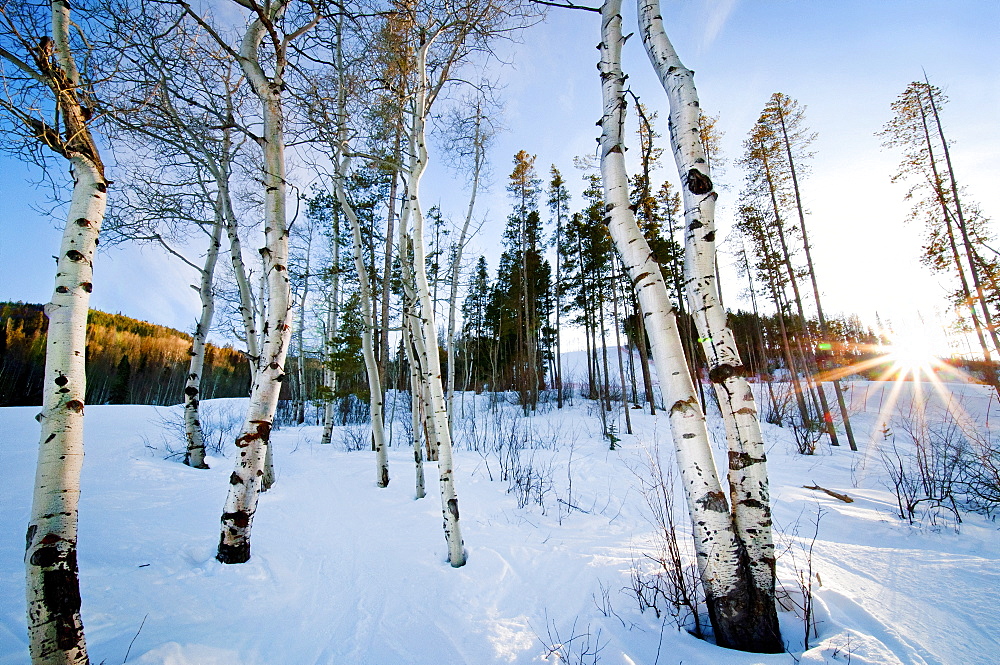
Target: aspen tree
<point x="744" y="615"/>
<point x="476" y="139"/>
<point x="47" y="101"/>
<point x="184" y="133"/>
<point x="253" y="467"/>
<point x="442" y="36"/>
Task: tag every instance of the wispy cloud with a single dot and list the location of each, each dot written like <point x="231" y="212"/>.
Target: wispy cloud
<point x="719" y="12"/>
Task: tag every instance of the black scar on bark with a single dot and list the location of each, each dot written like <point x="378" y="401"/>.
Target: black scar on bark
<point x="30" y="535"/>
<point x="87" y="286"/>
<point x="453" y="508"/>
<point x="720" y="373"/>
<point x="240" y="518"/>
<point x="45" y="557"/>
<point x="641" y="276"/>
<point x="62" y="289"/>
<point x="75" y="406"/>
<point x="74" y="255"/>
<point x="698" y="183"/>
<point x="233" y="553"/>
<point x="102" y="187"/>
<point x="61" y="591"/>
<point x="83" y="221"/>
<point x="709" y="237"/>
<point x="714" y="501"/>
<point x="235" y="479"/>
<point x="263" y="432"/>
<point x="682" y="405"/>
<point x="190" y="391"/>
<point x="695" y="225"/>
<point x="61" y="380"/>
<point x="739" y="461"/>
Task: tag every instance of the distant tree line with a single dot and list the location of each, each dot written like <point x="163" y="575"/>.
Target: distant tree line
<point x="128" y="361"/>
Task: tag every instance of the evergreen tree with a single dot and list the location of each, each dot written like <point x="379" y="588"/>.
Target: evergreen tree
<point x="120" y="385"/>
<point x="475" y="341"/>
<point x="559" y="208"/>
<point x="519" y="304"/>
<point x="956" y="232"/>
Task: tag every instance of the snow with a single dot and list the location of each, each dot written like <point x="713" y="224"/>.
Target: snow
<point x="344" y="572"/>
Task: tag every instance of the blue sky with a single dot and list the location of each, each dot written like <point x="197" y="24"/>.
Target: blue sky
<point x="845" y="61"/>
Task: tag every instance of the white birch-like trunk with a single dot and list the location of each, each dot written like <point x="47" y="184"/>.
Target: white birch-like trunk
<point x="747" y="465"/>
<point x="456" y="269"/>
<point x="411" y="316"/>
<point x="368" y="336"/>
<point x="332" y="326"/>
<point x="246" y="306"/>
<point x="425" y="329"/>
<point x="52" y="587"/>
<point x="415" y="399"/>
<point x="715" y="542"/>
<point x="300" y="366"/>
<point x="254" y="440"/>
<point x="195" y="453"/>
<point x="55" y="629"/>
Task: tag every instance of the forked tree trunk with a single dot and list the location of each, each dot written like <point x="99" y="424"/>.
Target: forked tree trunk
<point x="195" y="453"/>
<point x="745" y="616"/>
<point x="717" y="550"/>
<point x="430" y="363"/>
<point x="253" y="442"/>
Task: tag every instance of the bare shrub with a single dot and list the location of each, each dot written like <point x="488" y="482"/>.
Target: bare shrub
<point x="982" y="474"/>
<point x="220" y="425"/>
<point x="578" y="648"/>
<point x="666" y="580"/>
<point x="798" y="553"/>
<point x="806" y="436"/>
<point x="354" y="438"/>
<point x="929" y="470"/>
<point x="780" y="404"/>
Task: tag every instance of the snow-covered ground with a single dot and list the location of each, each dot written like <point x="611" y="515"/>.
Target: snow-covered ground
<point x="345" y="573"/>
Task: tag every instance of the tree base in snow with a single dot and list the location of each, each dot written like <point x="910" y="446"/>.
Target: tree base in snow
<point x="233" y="553"/>
<point x="746" y="622"/>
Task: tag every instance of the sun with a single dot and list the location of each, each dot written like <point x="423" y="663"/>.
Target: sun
<point x="912" y="353"/>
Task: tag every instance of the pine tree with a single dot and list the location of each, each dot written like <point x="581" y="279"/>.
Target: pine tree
<point x="559" y="208"/>
<point x="524" y="282"/>
<point x="120" y="385"/>
<point x="955" y="230"/>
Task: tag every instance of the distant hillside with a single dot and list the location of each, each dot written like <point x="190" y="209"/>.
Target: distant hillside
<point x="134" y="361"/>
